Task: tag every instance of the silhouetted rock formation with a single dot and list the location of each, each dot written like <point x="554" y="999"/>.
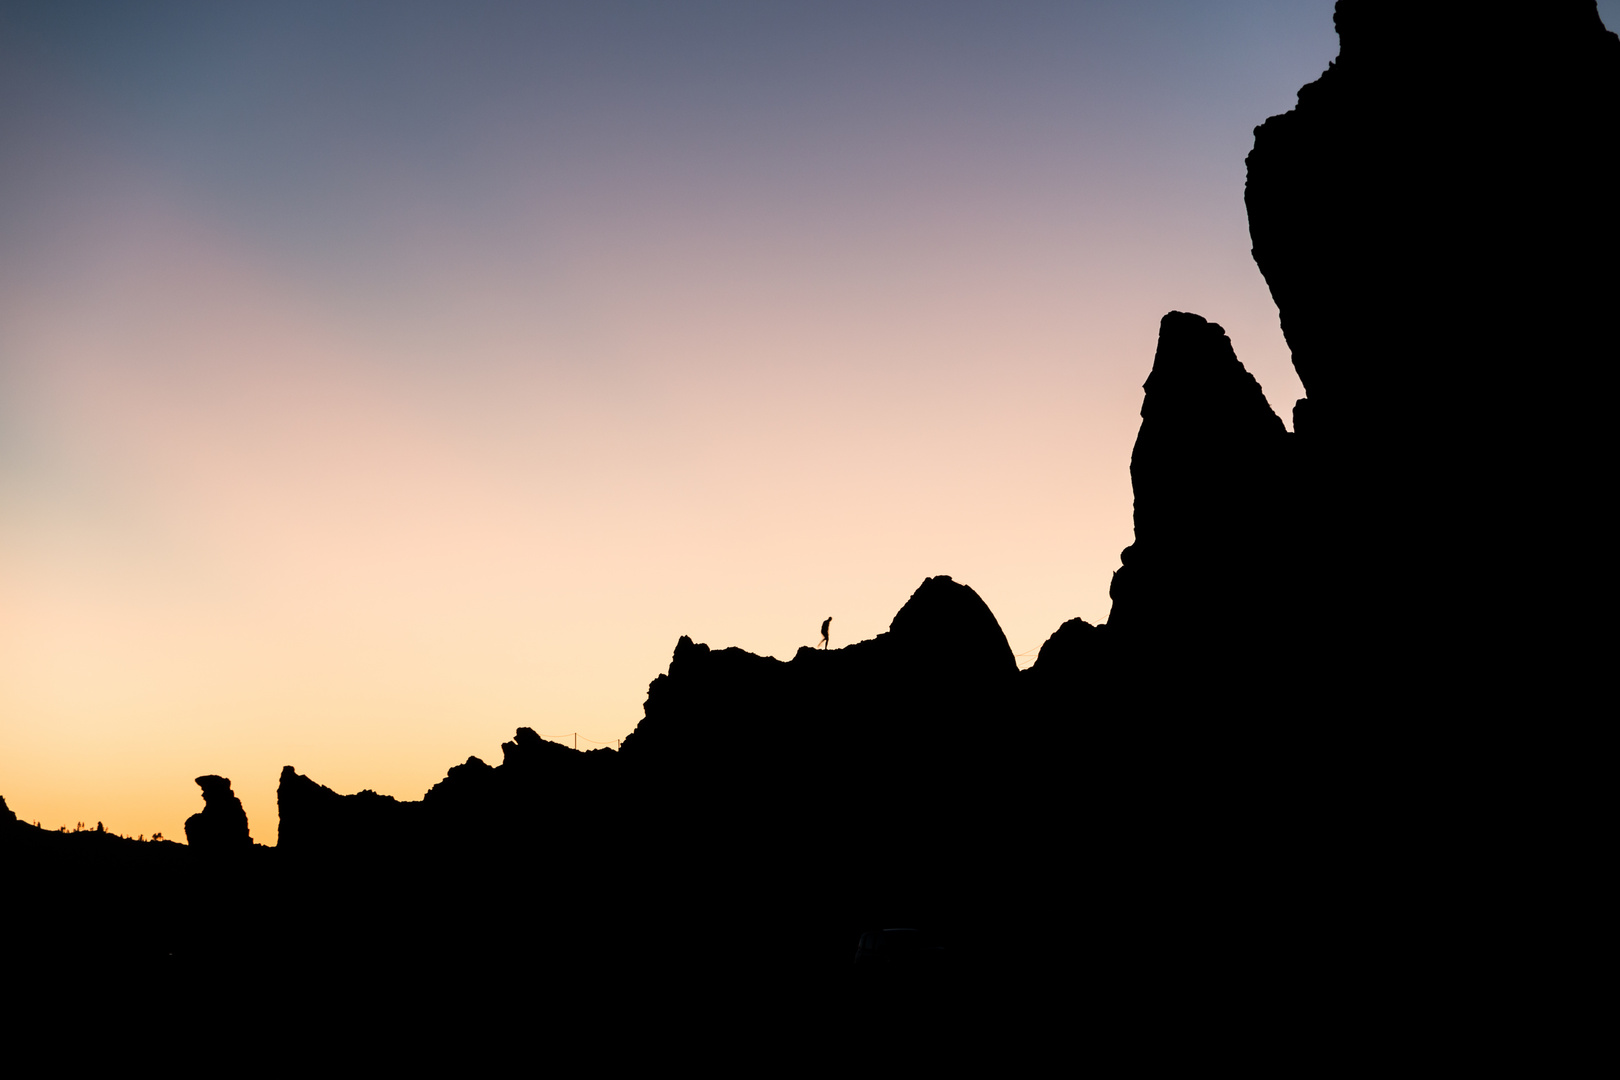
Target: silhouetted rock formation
<point x="1436" y="220"/>
<point x="943" y="669"/>
<point x="866" y="782"/>
<point x="537" y="784"/>
<point x="222" y="825"/>
<point x="832" y="783"/>
<point x="1071" y="685"/>
<point x="1210" y="572"/>
<point x="1072" y="660"/>
<point x="316" y="818"/>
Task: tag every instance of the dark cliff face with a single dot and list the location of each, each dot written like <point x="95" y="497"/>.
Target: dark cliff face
<point x="1437" y="223"/>
<point x="1213" y="475"/>
<point x="1438" y="207"/>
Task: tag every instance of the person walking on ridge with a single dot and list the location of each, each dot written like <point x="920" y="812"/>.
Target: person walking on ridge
<point x="824" y="624"/>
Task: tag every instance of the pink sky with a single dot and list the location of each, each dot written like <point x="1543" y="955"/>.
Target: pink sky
<point x="360" y="462"/>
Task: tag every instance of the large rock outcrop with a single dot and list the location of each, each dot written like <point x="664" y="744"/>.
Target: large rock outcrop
<point x="844" y="780"/>
<point x="538" y="784"/>
<point x="1436" y="220"/>
<point x="943" y="668"/>
<point x="314" y="818"/>
<point x="222" y="825"/>
<point x="1209" y="577"/>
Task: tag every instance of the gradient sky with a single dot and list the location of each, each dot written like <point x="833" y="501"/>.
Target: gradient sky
<point x="377" y="378"/>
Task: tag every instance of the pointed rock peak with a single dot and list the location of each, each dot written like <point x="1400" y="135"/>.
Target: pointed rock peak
<point x="1195" y="370"/>
<point x="293" y="780"/>
<point x="296" y="786"/>
<point x="687" y="651"/>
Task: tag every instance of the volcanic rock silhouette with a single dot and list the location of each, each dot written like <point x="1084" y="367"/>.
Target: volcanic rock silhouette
<point x="727" y="776"/>
<point x="222" y="825"/>
<point x="1437" y="223"/>
<point x="943" y="669"/>
<point x="1213" y="472"/>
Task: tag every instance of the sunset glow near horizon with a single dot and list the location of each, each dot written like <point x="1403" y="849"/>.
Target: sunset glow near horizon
<point x="375" y="380"/>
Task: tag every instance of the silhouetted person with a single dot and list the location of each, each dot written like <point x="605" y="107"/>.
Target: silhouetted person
<point x="824" y="624"/>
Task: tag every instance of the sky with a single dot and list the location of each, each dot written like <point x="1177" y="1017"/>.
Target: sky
<point x="377" y="378"/>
